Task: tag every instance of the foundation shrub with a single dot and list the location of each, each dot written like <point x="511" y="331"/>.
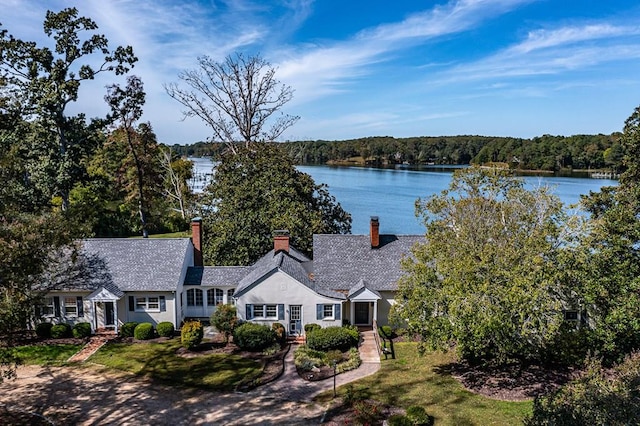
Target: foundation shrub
<point x="165" y="329"/>
<point x="60" y="331"/>
<point x="127" y="329"/>
<point x="253" y="337"/>
<point x="43" y="330"/>
<point x="330" y="338"/>
<point x="281" y="332"/>
<point x="418" y="416"/>
<point x="81" y="329"/>
<point x="143" y="331"/>
<point x="191" y="334"/>
<point x="311" y="327"/>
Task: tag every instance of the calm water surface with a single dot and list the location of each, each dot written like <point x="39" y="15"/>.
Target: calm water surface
<point x="390" y="194"/>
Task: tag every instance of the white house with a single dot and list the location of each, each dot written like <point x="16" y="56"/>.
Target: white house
<point x="351" y="279"/>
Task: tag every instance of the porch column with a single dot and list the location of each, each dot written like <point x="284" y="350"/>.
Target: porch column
<point x="224" y="297"/>
<point x="352" y="313"/>
<point x="375" y="311"/>
<point x="115" y="315"/>
<point x="92" y="313"/>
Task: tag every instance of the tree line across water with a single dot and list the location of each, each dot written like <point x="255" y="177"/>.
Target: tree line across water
<point x="547" y="152"/>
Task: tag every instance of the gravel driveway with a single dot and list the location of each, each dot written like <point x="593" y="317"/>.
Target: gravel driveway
<point x="87" y="395"/>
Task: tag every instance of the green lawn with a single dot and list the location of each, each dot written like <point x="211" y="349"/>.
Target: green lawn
<point x="44" y="354"/>
<point x="160" y="361"/>
<point x="412" y="379"/>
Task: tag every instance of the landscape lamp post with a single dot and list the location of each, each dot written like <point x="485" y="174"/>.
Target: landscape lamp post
<point x="334" y="378"/>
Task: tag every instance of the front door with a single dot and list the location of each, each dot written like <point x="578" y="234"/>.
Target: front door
<point x="295" y="319"/>
<point x="109" y="317"/>
<point x="362" y="313"/>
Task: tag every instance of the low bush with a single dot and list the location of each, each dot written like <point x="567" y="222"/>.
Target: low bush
<point x="60" y="331"/>
<point x="367" y="412"/>
<point x="143" y="331"/>
<point x="81" y="329"/>
<point x="399" y="420"/>
<point x="191" y="334"/>
<point x="165" y="329"/>
<point x="600" y="396"/>
<point x="352" y="362"/>
<point x="281" y="332"/>
<point x="43" y="330"/>
<point x="253" y="337"/>
<point x="326" y="339"/>
<point x="306" y="358"/>
<point x="311" y="327"/>
<point x="127" y="329"/>
<point x="418" y="416"/>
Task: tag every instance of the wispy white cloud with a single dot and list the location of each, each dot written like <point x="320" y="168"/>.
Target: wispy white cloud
<point x="320" y="70"/>
<point x="552" y="52"/>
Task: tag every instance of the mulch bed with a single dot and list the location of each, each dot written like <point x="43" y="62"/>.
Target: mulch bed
<point x="321" y="373"/>
<point x="512" y="382"/>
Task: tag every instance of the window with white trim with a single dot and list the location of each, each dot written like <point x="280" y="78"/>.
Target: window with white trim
<point x="70" y="306"/>
<point x="230" y="299"/>
<point x="327" y="311"/>
<point x="147" y="304"/>
<point x="194" y="297"/>
<point x="258" y="311"/>
<point x="271" y="311"/>
<point x="219" y="297"/>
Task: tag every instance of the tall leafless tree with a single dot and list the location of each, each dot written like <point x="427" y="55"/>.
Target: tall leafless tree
<point x="237" y="98"/>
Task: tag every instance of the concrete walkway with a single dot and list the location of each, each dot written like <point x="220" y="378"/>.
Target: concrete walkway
<point x="292" y="387"/>
<point x="95" y="342"/>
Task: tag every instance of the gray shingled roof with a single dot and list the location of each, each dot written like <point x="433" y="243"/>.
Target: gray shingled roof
<point x="216" y="276"/>
<point x="140" y="264"/>
<point x="292" y="265"/>
<point x="362" y="284"/>
<point x="341" y="261"/>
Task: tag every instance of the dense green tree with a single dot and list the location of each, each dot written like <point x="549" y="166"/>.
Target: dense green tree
<point x="45" y="81"/>
<point x="611" y="259"/>
<point x="258" y="190"/>
<point x="225" y="320"/>
<point x="485" y="279"/>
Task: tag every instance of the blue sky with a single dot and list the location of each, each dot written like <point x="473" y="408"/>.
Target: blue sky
<point x="519" y="68"/>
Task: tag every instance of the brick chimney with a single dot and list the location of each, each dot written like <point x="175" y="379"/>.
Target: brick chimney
<point x="281" y="240"/>
<point x="375" y="232"/>
<point x="196" y="239"/>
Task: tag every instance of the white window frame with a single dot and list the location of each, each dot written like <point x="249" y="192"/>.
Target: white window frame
<point x="269" y="307"/>
<point x="147" y="303"/>
<point x="219" y="297"/>
<point x="230" y="299"/>
<point x="257" y="315"/>
<point x="194" y="299"/>
<point x="324" y="311"/>
<point x="69" y="306"/>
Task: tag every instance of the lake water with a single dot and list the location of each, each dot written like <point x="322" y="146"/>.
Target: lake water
<point x="390" y="194"/>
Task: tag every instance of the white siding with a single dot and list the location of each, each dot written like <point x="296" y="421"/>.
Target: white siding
<point x="280" y="288"/>
<point x="152" y="316"/>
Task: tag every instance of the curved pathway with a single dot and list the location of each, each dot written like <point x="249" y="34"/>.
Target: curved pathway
<point x="291" y="387"/>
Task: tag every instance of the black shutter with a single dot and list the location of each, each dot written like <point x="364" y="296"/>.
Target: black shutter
<point x="56" y="305"/>
<point x="319" y="312"/>
<point x="249" y="312"/>
<point x="163" y="304"/>
<point x="281" y="312"/>
<point x="132" y="304"/>
<point x="80" y="306"/>
<point x="336" y="311"/>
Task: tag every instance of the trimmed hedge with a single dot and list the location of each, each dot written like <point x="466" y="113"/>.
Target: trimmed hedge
<point x="81" y="329"/>
<point x="43" y="330"/>
<point x="143" y="331"/>
<point x="165" y="329"/>
<point x="127" y="329"/>
<point x="308" y="328"/>
<point x="326" y="339"/>
<point x="60" y="331"/>
<point x="253" y="337"/>
<point x="191" y="334"/>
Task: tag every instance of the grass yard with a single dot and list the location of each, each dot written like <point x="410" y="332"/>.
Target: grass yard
<point x="412" y="379"/>
<point x="161" y="362"/>
<point x="45" y="354"/>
